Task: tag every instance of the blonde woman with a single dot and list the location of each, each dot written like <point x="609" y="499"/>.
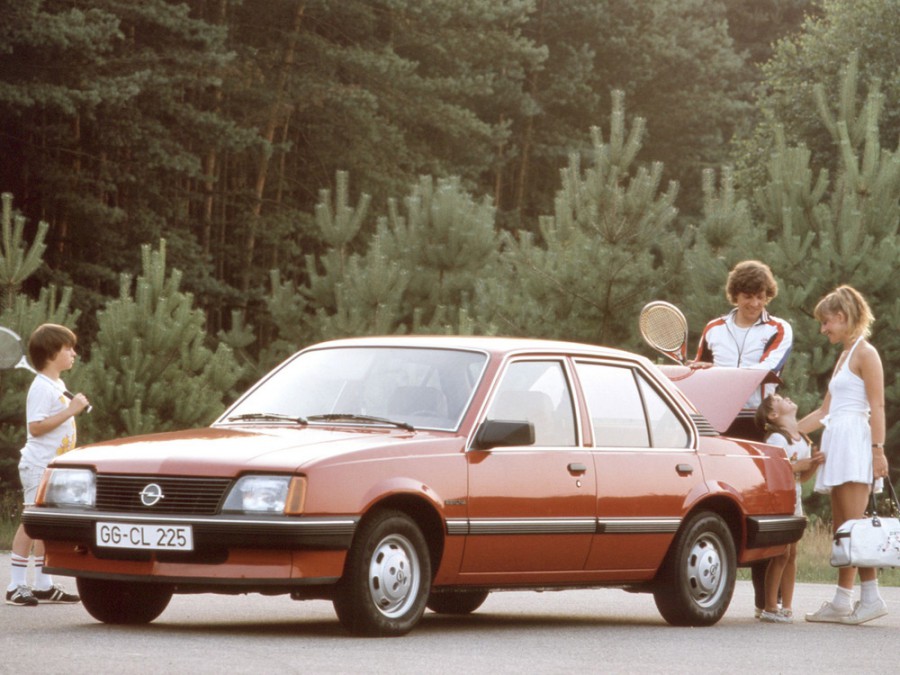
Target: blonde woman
<point x="853" y="442"/>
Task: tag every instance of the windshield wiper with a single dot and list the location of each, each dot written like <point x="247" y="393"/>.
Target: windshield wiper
<point x="271" y="417"/>
<point x="352" y="417"/>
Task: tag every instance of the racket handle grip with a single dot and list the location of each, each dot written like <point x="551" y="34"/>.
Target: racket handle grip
<point x="71" y="396"/>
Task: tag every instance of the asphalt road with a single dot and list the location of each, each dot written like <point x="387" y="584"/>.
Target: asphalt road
<point x="596" y="631"/>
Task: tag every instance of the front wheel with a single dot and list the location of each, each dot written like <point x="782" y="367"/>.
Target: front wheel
<point x="123" y="602"/>
<point x="386" y="579"/>
<point x="695" y="585"/>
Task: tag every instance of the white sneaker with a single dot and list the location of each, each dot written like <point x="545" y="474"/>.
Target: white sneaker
<point x="775" y="617"/>
<point x="828" y="613"/>
<point x="862" y="613"/>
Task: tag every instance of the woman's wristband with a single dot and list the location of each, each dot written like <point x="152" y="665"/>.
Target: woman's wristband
<point x="878" y="446"/>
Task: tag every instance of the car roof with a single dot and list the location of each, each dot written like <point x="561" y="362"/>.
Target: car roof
<point x="492" y="344"/>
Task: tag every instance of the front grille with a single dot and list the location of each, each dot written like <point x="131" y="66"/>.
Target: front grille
<point x="193" y="496"/>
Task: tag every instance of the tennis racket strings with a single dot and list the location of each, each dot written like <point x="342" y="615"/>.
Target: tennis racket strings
<point x="664" y="328"/>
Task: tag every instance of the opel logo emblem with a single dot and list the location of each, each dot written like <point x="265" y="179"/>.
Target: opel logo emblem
<point x="151" y="494"/>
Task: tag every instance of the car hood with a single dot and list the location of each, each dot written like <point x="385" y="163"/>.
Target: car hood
<point x="718" y="393"/>
<point x="226" y="451"/>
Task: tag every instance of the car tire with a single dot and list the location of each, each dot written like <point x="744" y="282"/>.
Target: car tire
<point x="696" y="582"/>
<point x="123" y="602"/>
<point x="456" y="602"/>
<point x="387" y="577"/>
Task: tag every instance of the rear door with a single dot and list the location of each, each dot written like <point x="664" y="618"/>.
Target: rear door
<point x="646" y="467"/>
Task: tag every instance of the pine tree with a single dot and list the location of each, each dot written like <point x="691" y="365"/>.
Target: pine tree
<point x="602" y="254"/>
<point x="17" y="262"/>
<point x="446" y="241"/>
<point x="416" y="273"/>
<point x="724" y="236"/>
<point x="22" y="314"/>
<point x="151" y="368"/>
<point x="837" y="227"/>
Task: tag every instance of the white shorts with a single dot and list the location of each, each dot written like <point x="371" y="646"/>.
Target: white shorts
<point x="30" y="476"/>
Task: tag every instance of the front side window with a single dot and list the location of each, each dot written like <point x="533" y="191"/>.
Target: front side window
<point x="537" y="392"/>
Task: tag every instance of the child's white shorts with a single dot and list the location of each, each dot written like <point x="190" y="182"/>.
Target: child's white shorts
<point x="30" y="476"/>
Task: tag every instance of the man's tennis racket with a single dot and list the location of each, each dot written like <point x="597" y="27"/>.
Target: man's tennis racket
<point x="12" y="355"/>
<point x="664" y="328"/>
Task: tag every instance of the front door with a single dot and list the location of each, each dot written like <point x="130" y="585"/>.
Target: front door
<point x="532" y="509"/>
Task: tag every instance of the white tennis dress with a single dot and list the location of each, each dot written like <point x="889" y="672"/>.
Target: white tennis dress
<point x="847" y="439"/>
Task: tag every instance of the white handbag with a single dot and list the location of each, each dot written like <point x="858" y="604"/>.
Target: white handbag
<point x="873" y="541"/>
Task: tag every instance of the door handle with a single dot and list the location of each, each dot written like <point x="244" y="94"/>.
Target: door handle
<point x="577" y="467"/>
<point x="684" y="469"/>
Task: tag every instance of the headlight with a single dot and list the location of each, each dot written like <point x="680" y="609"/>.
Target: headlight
<point x="69" y="487"/>
<point x="260" y="494"/>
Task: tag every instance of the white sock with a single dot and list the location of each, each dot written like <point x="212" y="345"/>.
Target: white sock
<point x="18" y="572"/>
<point x="869" y="594"/>
<point x="843" y="598"/>
<point x="42" y="582"/>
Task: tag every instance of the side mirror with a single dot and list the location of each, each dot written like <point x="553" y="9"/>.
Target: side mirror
<point x="503" y="433"/>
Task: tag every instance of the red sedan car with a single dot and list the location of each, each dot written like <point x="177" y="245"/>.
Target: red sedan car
<point x="396" y="474"/>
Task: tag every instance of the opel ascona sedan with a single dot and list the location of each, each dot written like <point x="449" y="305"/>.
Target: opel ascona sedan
<point x="391" y="475"/>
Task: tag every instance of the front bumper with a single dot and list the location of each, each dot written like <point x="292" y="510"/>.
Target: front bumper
<point x="211" y="533"/>
<point x="230" y="553"/>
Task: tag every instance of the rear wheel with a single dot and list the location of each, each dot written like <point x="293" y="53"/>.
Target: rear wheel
<point x="456" y="602"/>
<point x="123" y="602"/>
<point x="386" y="579"/>
<point x="696" y="582"/>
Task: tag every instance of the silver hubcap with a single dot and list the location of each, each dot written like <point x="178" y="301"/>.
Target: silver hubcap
<point x="394" y="575"/>
<point x="704" y="570"/>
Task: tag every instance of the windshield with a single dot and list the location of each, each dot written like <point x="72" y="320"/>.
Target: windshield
<point x="425" y="388"/>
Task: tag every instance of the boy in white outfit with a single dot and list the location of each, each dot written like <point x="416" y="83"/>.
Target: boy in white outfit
<point x="50" y="419"/>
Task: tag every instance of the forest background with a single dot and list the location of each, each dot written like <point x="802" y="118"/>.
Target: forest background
<point x="200" y="188"/>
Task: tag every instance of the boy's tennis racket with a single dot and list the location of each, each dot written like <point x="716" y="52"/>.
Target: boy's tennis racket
<point x="664" y="328"/>
<point x="12" y="355"/>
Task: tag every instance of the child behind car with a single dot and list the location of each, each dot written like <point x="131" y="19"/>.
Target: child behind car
<point x="777" y="415"/>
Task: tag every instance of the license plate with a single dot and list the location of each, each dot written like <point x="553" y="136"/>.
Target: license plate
<point x="151" y="537"/>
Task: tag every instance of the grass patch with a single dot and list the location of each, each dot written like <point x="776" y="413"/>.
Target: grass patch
<point x="10" y="510"/>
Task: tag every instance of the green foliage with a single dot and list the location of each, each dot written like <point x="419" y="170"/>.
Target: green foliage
<point x="863" y="34"/>
<point x="445" y="241"/>
<point x="724" y="236"/>
<point x="680" y="71"/>
<point x="17" y="262"/>
<point x="214" y="124"/>
<point x="22" y="315"/>
<point x="150" y="367"/>
<point x="416" y="273"/>
<point x="825" y="231"/>
<point x="755" y="25"/>
<point x="601" y="255"/>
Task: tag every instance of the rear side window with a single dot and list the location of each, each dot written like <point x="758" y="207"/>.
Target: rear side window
<point x="666" y="429"/>
<point x="615" y="407"/>
<point x="625" y="411"/>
